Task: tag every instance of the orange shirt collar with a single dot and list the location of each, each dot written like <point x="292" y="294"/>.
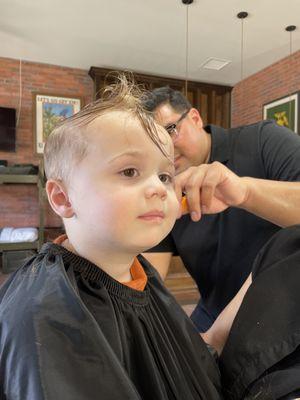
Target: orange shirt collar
<point x="139" y="277"/>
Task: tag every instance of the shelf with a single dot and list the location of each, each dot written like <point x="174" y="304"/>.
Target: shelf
<point x="32" y="179"/>
<point x="19" y="246"/>
<point x="10" y="178"/>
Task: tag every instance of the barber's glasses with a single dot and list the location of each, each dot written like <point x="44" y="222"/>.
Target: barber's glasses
<point x="172" y="128"/>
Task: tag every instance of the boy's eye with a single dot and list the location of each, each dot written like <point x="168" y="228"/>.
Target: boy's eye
<point x="130" y="172"/>
<point x="166" y="178"/>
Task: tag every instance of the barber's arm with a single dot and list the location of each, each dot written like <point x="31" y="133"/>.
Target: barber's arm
<point x="278" y="202"/>
<point x="218" y="333"/>
<point x="212" y="188"/>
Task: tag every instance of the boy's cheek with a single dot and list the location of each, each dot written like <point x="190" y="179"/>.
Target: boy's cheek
<point x="175" y="206"/>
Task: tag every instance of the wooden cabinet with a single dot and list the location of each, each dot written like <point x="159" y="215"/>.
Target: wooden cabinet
<point x="213" y="101"/>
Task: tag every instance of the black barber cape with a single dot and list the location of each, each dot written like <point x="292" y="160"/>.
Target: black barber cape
<point x="261" y="359"/>
<point x="71" y="332"/>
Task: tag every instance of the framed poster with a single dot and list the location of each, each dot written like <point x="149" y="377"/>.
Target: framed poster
<point x="49" y="110"/>
<point x="284" y="111"/>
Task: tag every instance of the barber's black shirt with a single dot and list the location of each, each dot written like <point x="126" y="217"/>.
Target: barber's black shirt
<point x="218" y="251"/>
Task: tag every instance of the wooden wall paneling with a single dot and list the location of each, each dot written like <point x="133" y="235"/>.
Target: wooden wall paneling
<point x="203" y="107"/>
<point x="219" y="109"/>
<point x="226" y="115"/>
<point x="198" y="99"/>
<point x="212" y="107"/>
<point x="191" y="96"/>
<point x="202" y="95"/>
<point x="160" y="83"/>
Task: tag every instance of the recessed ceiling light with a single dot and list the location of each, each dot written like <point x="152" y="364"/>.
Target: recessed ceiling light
<point x="215" y="63"/>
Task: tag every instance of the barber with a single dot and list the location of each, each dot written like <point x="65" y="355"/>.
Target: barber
<point x="241" y="185"/>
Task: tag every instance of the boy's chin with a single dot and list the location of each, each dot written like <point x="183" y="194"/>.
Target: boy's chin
<point x="147" y="240"/>
<point x="149" y="245"/>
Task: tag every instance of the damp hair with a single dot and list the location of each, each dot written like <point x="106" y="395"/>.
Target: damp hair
<point x="68" y="143"/>
<point x="165" y="95"/>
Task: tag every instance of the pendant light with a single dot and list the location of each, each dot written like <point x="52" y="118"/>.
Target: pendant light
<point x="242" y="15"/>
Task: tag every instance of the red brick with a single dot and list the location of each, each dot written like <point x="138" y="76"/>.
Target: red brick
<point x="273" y="82"/>
<point x="18" y="204"/>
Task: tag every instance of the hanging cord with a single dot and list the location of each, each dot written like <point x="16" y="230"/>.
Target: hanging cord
<point x="290" y="29"/>
<point x="187" y="3"/>
<point x="187" y="51"/>
<point x="242" y="49"/>
<point x="290" y="86"/>
<point x="20" y="93"/>
<point x="242" y="15"/>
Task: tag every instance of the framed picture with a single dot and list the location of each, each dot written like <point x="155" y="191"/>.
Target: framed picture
<point x="284" y="111"/>
<point x="49" y="110"/>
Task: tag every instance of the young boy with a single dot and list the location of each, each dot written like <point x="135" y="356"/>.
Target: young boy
<point x="86" y="318"/>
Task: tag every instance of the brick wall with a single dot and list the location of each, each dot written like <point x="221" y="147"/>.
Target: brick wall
<point x="19" y="203"/>
<point x="273" y="82"/>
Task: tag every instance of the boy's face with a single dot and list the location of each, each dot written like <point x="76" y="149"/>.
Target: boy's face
<point x="122" y="192"/>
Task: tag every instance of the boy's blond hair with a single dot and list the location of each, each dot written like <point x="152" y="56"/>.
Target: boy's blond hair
<point x="68" y="143"/>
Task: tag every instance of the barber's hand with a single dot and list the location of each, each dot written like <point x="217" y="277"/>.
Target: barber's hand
<point x="210" y="189"/>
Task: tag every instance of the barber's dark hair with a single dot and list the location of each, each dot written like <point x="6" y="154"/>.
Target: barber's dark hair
<point x="165" y="95"/>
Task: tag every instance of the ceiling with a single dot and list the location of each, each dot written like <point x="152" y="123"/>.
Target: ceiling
<point x="150" y="36"/>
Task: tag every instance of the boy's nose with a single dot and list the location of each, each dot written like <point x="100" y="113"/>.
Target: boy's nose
<point x="156" y="188"/>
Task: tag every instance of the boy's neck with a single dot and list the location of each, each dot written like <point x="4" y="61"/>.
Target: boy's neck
<point x="117" y="266"/>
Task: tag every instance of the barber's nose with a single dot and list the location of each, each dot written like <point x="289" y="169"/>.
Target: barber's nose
<point x="155" y="187"/>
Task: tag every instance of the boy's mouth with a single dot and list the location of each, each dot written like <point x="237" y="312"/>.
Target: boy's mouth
<point x="154" y="215"/>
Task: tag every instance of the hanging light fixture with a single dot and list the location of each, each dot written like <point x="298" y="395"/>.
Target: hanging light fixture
<point x="291" y="29"/>
<point x="242" y="15"/>
<point x="187" y="3"/>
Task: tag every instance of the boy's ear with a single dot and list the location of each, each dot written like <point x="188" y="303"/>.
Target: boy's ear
<point x="196" y="117"/>
<point x="59" y="199"/>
